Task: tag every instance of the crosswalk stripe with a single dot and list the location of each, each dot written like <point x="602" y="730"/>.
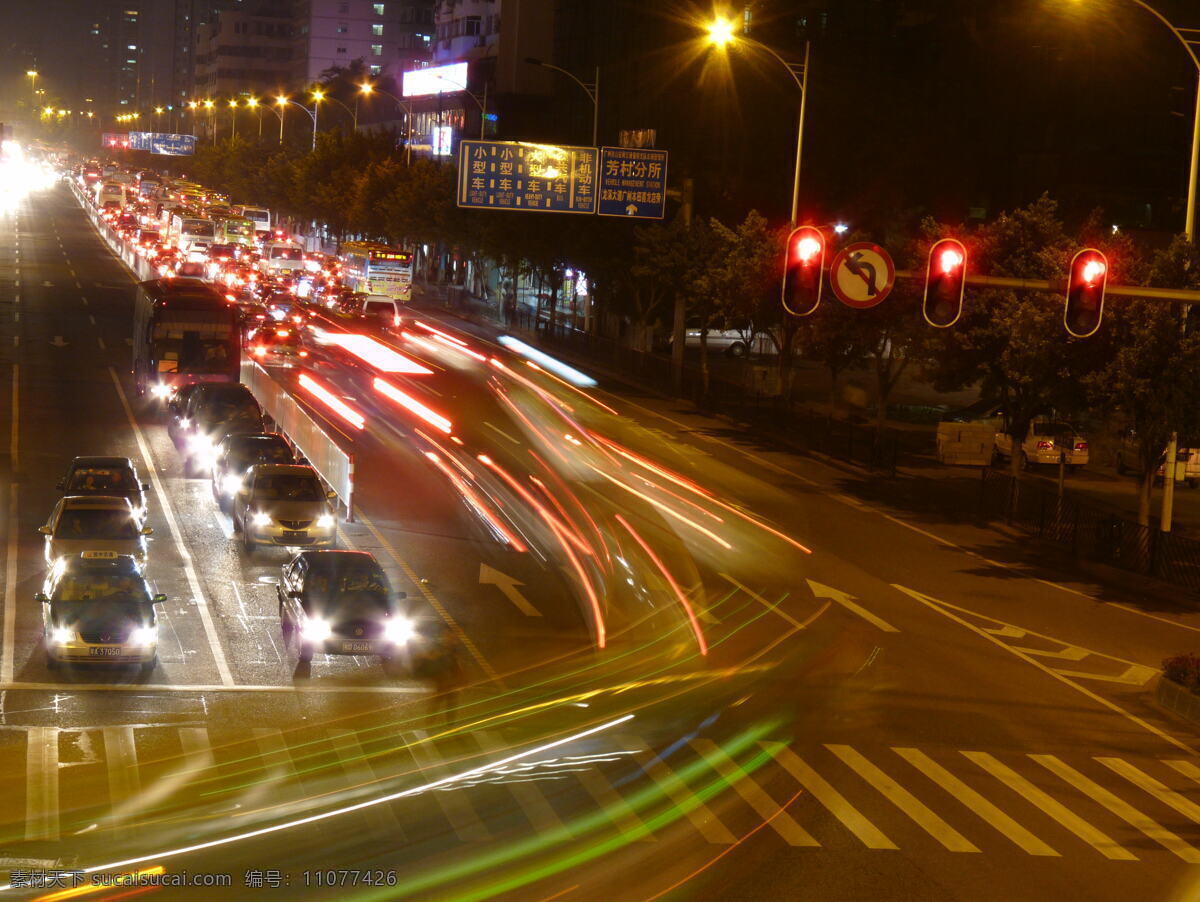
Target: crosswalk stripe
<point x="747" y="787"/>
<point x="903" y="799"/>
<point x="274" y="752"/>
<point x="528" y="796"/>
<point x="835" y="803"/>
<point x="381" y="819"/>
<point x="975" y="802"/>
<point x="677" y="791"/>
<point x="614" y="805"/>
<point x="453" y="799"/>
<point x="124" y="780"/>
<point x="1164" y="794"/>
<point x="41" y="783"/>
<point x="197" y="750"/>
<point x="1101" y="842"/>
<point x="1187" y="768"/>
<point x="1120" y="808"/>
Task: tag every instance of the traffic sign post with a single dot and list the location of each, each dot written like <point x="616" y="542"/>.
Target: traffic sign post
<point x="514" y="175"/>
<point x="862" y="275"/>
<point x="633" y="183"/>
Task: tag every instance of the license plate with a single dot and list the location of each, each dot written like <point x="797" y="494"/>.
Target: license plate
<point x="295" y="534"/>
<point x="357" y="648"/>
<point x="105" y="652"/>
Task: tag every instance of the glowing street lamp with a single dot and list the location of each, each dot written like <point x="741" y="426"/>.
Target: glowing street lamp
<point x="721" y="35"/>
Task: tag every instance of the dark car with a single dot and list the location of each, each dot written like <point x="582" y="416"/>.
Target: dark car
<point x="214" y="410"/>
<point x="106" y="476"/>
<point x="237" y="453"/>
<point x="341" y="603"/>
<point x="276" y="343"/>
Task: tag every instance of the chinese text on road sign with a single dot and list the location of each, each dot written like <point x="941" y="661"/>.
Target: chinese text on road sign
<point x="633" y="182"/>
<point x="510" y="175"/>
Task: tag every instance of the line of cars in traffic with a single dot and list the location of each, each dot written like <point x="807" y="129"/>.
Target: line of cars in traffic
<point x="97" y="604"/>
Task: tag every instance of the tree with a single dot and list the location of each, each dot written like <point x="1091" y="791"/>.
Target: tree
<point x="1151" y="377"/>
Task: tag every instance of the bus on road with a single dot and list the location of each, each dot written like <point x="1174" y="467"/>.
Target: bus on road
<point x="373" y="268"/>
<point x="191" y="232"/>
<point x="183" y="332"/>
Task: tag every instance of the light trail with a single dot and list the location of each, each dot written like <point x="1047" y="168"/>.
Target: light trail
<point x="337" y="812"/>
<point x="477" y="503"/>
<point x="667" y="509"/>
<point x="682" y="598"/>
<point x="407" y="401"/>
<point x="547" y="362"/>
<point x="376" y="353"/>
<point x="344" y="410"/>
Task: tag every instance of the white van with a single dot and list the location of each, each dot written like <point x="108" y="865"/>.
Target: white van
<point x="281" y="257"/>
<point x="108" y="191"/>
<point x="260" y="216"/>
<point x="383" y="309"/>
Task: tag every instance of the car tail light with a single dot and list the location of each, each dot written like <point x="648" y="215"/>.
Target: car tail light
<point x="1081" y="446"/>
<point x="260" y="351"/>
<point x="1044" y="445"/>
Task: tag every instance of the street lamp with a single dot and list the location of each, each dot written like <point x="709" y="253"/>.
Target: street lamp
<point x="592" y="91"/>
<point x="233" y="105"/>
<point x="721" y="34"/>
<point x="317" y="96"/>
<point x="352" y="112"/>
<point x="33" y="74"/>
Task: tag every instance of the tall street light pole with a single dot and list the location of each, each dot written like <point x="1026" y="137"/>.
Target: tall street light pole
<point x="592" y="90"/>
<point x="233" y="108"/>
<point x="366" y="89"/>
<point x="312" y="114"/>
<point x="722" y="34"/>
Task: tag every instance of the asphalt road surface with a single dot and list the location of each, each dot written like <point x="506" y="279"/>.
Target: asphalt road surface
<point x="800" y="694"/>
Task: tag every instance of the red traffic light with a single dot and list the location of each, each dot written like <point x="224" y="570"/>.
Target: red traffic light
<point x="945" y="283"/>
<point x="803" y="266"/>
<point x="1086" y="284"/>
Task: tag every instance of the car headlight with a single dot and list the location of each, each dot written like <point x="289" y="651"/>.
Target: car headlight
<point x="231" y="484"/>
<point x="326" y="521"/>
<point x="144" y="635"/>
<point x="260" y="519"/>
<point x="315" y="629"/>
<point x="160" y="390"/>
<point x="61" y="635"/>
<point x="184" y="423"/>
<point x="399" y="630"/>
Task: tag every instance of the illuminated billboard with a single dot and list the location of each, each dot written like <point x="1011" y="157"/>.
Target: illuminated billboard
<point x="435" y="80"/>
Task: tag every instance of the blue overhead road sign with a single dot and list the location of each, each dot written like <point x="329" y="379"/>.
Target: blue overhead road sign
<point x="516" y="175"/>
<point x="633" y="182"/>
<point x="161" y="142"/>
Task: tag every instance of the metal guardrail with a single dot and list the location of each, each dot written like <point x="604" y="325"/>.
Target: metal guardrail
<point x="334" y="465"/>
<point x="1090" y="533"/>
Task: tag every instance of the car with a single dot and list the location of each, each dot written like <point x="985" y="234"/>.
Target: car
<point x="341" y="603"/>
<point x="1187" y="460"/>
<point x="98" y="608"/>
<point x="284" y="504"/>
<point x="106" y="476"/>
<point x="235" y="454"/>
<point x="212" y="412"/>
<point x="1045" y="442"/>
<point x="94" y="523"/>
<point x="276" y="343"/>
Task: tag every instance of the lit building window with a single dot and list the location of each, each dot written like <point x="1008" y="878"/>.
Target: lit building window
<point x="376" y="50"/>
<point x="379" y="9"/>
<point x="377" y="30"/>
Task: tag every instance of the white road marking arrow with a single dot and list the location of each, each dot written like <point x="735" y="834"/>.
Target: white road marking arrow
<point x="490" y="576"/>
<point x="847" y="601"/>
<point x="58" y="342"/>
<point x="47" y="284"/>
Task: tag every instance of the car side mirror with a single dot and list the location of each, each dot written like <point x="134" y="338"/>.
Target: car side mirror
<point x="159" y="598"/>
<point x="40" y="596"/>
<point x="44" y="530"/>
<point x="145" y="486"/>
<point x="147" y="530"/>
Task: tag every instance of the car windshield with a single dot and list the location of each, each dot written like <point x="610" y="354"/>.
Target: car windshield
<point x="95" y="479"/>
<point x="96" y="523"/>
<point x="261" y="453"/>
<point x="113" y="587"/>
<point x="285" y="253"/>
<point x="287" y="487"/>
<point x="220" y="409"/>
<point x="1052" y="429"/>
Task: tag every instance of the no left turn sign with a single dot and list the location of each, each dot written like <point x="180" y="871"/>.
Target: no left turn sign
<point x="862" y="275"/>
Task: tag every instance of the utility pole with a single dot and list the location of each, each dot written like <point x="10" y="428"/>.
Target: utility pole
<point x="679" y="324"/>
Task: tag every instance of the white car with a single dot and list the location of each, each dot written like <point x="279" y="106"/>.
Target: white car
<point x="1045" y="443"/>
<point x="82" y="523"/>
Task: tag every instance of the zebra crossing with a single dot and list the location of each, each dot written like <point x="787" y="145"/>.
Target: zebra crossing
<point x="823" y="796"/>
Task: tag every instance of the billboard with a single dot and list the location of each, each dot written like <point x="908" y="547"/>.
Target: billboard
<point x="435" y="80"/>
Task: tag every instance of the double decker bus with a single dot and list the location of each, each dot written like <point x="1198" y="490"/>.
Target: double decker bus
<point x="373" y="268"/>
<point x="183" y="332"/>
